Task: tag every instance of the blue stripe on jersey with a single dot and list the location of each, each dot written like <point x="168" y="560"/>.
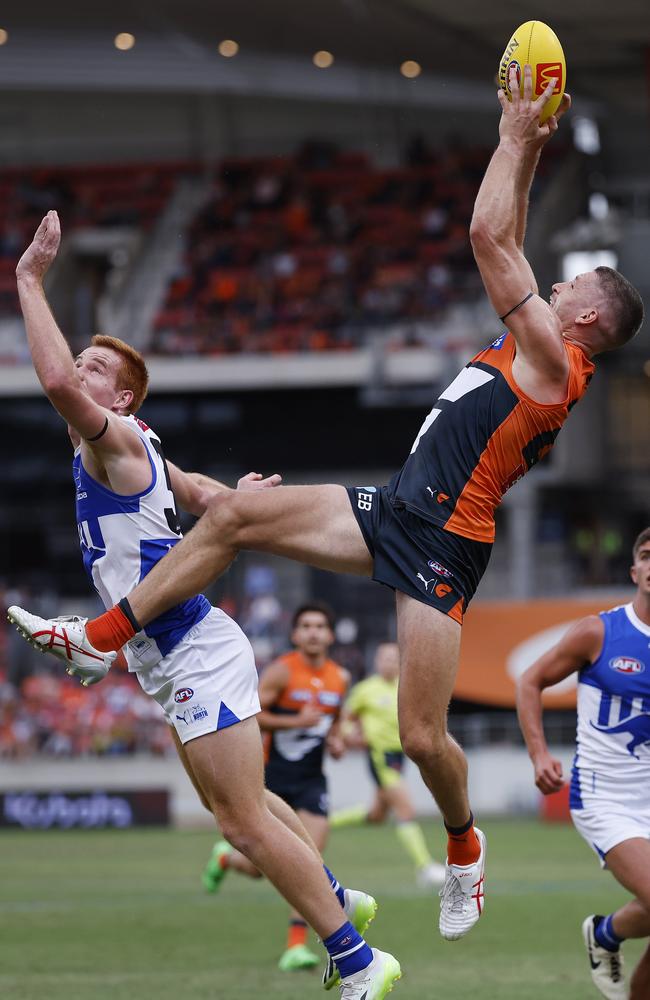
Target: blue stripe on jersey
<point x="171" y="627"/>
<point x="575" y="794"/>
<point x="625" y="710"/>
<point x="603" y="711"/>
<point x="94" y="500"/>
<point x="92" y="544"/>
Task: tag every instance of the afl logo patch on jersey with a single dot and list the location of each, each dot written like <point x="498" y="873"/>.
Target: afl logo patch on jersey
<point x="627" y="665"/>
<point x="183" y="695"/>
<point x="497" y="344"/>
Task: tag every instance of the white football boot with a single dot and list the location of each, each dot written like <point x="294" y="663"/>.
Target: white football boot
<point x="462" y="896"/>
<point x="607" y="972"/>
<point x="431" y="876"/>
<point x="373" y="982"/>
<point x="65" y="638"/>
<point x="361" y="910"/>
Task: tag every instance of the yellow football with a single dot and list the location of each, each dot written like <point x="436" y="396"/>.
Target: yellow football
<point x="537" y="44"/>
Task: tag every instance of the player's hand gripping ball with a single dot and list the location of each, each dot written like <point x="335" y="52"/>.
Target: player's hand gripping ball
<point x="537" y="44"/>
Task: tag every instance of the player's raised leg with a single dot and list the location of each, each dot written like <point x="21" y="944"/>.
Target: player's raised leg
<point x="312" y="524"/>
<point x="429" y="644"/>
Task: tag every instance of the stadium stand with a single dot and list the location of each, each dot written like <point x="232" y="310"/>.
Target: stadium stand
<point x="304" y="253"/>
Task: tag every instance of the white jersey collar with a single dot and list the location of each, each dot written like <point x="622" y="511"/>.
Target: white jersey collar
<point x="636" y="621"/>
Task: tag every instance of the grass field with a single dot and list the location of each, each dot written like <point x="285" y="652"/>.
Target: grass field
<point x="88" y="916"/>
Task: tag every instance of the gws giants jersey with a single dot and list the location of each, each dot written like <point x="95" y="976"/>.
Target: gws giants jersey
<point x="613" y="734"/>
<point x="123" y="537"/>
<point x="482" y="435"/>
<point x="294" y="755"/>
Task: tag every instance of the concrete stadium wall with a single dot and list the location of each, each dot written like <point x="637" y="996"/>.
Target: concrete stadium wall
<point x="500" y="781"/>
<point x="98" y="127"/>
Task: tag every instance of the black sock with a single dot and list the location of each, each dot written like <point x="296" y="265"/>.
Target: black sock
<point x="458" y="831"/>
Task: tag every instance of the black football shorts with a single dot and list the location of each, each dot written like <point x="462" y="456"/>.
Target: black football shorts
<point x="417" y="557"/>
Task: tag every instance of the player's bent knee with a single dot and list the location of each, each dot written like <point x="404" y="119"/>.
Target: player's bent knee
<point x="240" y="835"/>
<point x="423" y="744"/>
<point x="643" y="897"/>
<point x="225" y="515"/>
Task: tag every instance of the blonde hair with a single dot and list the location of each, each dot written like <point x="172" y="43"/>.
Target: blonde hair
<point x="133" y="372"/>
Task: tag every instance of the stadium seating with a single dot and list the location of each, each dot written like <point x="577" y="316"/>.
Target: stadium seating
<point x="307" y="253"/>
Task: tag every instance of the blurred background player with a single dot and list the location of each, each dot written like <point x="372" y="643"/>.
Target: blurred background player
<point x="610" y="778"/>
<point x="301" y="694"/>
<point x="370" y="722"/>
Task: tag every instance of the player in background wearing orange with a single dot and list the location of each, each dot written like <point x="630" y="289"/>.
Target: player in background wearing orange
<point x="301" y="694"/>
<point x="370" y="722"/>
<point x="428" y="534"/>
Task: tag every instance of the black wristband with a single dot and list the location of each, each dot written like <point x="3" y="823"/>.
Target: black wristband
<point x="518" y="306"/>
<point x="101" y="433"/>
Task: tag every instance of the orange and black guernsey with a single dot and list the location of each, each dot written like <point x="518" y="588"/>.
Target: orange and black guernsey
<point x="296" y="755"/>
<point x="482" y="435"/>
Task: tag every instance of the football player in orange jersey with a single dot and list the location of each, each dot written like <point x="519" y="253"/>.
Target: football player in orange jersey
<point x="301" y="694"/>
<point x="428" y="534"/>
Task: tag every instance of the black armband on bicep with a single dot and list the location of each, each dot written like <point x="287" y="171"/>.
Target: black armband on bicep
<point x="101" y="433"/>
<point x="518" y="306"/>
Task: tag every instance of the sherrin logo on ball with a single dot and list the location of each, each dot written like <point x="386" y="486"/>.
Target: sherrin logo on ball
<point x="627" y="665"/>
<point x="183" y="695"/>
<point x="538" y="45"/>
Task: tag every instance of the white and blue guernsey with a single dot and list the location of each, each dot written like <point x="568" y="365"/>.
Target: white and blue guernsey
<point x="123" y="537"/>
<point x="612" y="761"/>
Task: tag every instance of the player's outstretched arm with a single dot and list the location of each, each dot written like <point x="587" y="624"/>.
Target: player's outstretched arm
<point x="579" y="647"/>
<point x="498" y="226"/>
<point x="527" y="172"/>
<point x="53" y="362"/>
<point x="193" y="490"/>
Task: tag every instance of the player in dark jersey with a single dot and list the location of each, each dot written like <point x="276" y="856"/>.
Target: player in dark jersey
<point x="428" y="534"/>
<point x="301" y="694"/>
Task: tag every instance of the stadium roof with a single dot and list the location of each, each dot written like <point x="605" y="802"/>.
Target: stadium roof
<point x="607" y="46"/>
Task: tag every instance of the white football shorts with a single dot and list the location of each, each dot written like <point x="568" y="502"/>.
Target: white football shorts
<point x="612" y="812"/>
<point x="208" y="681"/>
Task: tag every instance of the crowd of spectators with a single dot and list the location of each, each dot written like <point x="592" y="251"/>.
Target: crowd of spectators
<point x="52" y="714"/>
<point x="85" y="197"/>
<point x="308" y="252"/>
<point x="43" y="711"/>
<point x="301" y="253"/>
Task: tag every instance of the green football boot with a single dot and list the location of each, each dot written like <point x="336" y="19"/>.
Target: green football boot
<point x="214" y="871"/>
<point x="298" y="957"/>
